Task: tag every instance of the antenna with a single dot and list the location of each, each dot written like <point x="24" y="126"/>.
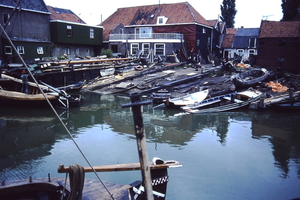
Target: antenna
<point x="265" y="17"/>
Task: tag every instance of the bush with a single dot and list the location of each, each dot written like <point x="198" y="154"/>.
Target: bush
<point x="107" y="52"/>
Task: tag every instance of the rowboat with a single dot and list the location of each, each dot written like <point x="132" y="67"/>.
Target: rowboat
<point x="187" y="99"/>
<point x="288" y="105"/>
<point x="241" y="99"/>
<point x="207" y="102"/>
<point x="250" y="77"/>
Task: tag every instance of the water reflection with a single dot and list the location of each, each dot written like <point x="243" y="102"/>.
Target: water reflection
<point x="27" y="136"/>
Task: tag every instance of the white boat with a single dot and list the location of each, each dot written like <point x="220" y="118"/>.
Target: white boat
<point x="241" y="99"/>
<point x="187" y="99"/>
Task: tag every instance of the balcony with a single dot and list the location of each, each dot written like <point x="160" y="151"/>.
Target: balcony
<point x="150" y="37"/>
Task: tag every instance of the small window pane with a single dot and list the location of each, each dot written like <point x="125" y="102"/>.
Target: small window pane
<point x="40" y="50"/>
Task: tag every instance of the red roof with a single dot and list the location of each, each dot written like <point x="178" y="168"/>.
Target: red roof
<point x="64" y="15"/>
<point x="229" y="38"/>
<point x="277" y="29"/>
<point x="177" y="13"/>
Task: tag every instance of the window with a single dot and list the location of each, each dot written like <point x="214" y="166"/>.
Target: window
<point x="251" y="52"/>
<point x="8" y="50"/>
<point x="162" y="20"/>
<point x="146" y="48"/>
<point x="240" y="52"/>
<point x="20" y="49"/>
<point x="69" y="31"/>
<point x="252" y="42"/>
<point x="5" y="18"/>
<point x="121" y="31"/>
<point x="145" y="32"/>
<point x="203" y="30"/>
<point x="134" y="48"/>
<point x="198" y="42"/>
<point x="159" y="49"/>
<point x="91" y="33"/>
<point x="67" y="51"/>
<point x="40" y="50"/>
<point x="77" y="51"/>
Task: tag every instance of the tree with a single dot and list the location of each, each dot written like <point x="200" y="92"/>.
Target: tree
<point x="228" y="12"/>
<point x="289" y="9"/>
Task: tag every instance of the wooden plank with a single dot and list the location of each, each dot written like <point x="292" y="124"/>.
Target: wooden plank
<point x="123" y="167"/>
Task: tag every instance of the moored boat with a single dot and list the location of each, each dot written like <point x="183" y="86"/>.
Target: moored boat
<point x="160" y="96"/>
<point x="250" y="77"/>
<point x="241" y="99"/>
<point x="187" y="99"/>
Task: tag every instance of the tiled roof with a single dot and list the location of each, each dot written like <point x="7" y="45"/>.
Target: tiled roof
<point x="64" y="15"/>
<point x="229" y="38"/>
<point x="177" y="13"/>
<point x="32" y="5"/>
<point x="275" y="29"/>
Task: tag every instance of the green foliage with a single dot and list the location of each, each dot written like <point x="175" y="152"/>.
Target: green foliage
<point x="289" y="9"/>
<point x="107" y="52"/>
<point x="228" y="12"/>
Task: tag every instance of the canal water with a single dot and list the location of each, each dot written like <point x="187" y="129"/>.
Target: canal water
<point x="232" y="155"/>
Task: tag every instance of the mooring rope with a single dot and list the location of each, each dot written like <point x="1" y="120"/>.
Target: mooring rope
<point x="56" y="114"/>
<point x="76" y="182"/>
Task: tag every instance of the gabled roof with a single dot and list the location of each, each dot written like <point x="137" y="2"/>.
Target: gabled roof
<point x="64" y="15"/>
<point x="176" y="13"/>
<point x="279" y="29"/>
<point x="29" y="5"/>
<point x="229" y="38"/>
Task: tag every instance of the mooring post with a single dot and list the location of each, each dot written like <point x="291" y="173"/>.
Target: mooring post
<point x="141" y="142"/>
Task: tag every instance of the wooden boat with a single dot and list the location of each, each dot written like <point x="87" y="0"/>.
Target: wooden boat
<point x="241" y="99"/>
<point x="207" y="102"/>
<point x="290" y="104"/>
<point x="187" y="99"/>
<point x="73" y="87"/>
<point x="60" y="188"/>
<point x="160" y="96"/>
<point x="10" y="94"/>
<point x="250" y="77"/>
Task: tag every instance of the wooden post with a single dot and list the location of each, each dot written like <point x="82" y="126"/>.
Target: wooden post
<point x="141" y="142"/>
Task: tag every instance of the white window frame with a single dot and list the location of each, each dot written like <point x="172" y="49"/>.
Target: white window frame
<point x="92" y="34"/>
<point x="134" y="47"/>
<point x="156" y="49"/>
<point x="252" y="52"/>
<point x="146" y="50"/>
<point x="203" y="30"/>
<point x="240" y="52"/>
<point x="145" y="32"/>
<point x="67" y="50"/>
<point x="8" y="50"/>
<point x="21" y="49"/>
<point x="69" y="31"/>
<point x="40" y="50"/>
<point x="162" y="20"/>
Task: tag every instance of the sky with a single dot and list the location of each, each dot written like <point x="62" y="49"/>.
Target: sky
<point x="249" y="13"/>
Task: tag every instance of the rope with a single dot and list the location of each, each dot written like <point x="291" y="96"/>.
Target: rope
<point x="76" y="182"/>
<point x="56" y="114"/>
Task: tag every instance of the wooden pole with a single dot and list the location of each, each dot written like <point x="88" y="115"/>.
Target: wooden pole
<point x="141" y="143"/>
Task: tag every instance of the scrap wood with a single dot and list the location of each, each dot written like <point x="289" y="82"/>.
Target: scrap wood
<point x="277" y="87"/>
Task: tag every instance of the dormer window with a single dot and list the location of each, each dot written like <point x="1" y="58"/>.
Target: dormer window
<point x="162" y="20"/>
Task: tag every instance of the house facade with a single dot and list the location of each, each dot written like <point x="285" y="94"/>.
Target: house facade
<point x="72" y="37"/>
<point x="243" y="44"/>
<point x="27" y="25"/>
<point x="163" y="29"/>
<point x="279" y="45"/>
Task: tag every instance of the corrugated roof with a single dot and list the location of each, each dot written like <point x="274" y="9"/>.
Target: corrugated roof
<point x="277" y="29"/>
<point x="64" y="15"/>
<point x="177" y="13"/>
<point x="31" y="5"/>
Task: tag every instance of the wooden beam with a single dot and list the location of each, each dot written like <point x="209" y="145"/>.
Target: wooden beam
<point x="123" y="167"/>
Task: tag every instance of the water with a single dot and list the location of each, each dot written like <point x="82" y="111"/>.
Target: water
<point x="233" y="155"/>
